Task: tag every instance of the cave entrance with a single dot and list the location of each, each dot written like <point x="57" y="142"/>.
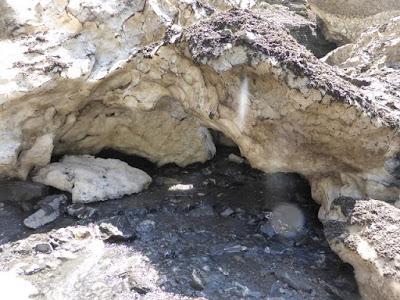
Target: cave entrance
<point x="245" y="220"/>
<point x="218" y="230"/>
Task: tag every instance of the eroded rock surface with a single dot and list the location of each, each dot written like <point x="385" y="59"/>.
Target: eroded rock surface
<point x="374" y="60"/>
<point x="151" y="77"/>
<point x="299" y="114"/>
<point x="365" y="233"/>
<point x="91" y="179"/>
<point x="58" y="56"/>
<point x="345" y="20"/>
<point x="239" y="72"/>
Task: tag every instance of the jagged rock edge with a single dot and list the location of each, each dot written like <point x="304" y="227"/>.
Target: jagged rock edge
<point x="290" y="56"/>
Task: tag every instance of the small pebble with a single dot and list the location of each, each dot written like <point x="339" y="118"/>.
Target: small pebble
<point x="235" y="249"/>
<point x="48" y="213"/>
<point x="32" y="269"/>
<point x="43" y="248"/>
<point x="267" y="229"/>
<point x="196" y="281"/>
<point x="227" y="212"/>
<point x="181" y="187"/>
<point x="76" y="209"/>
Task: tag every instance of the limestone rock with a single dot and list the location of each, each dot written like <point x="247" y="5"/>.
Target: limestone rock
<point x="345" y="20"/>
<point x="38" y="155"/>
<point x="239" y="72"/>
<point x="374" y="61"/>
<point x="91" y="179"/>
<point x="67" y="86"/>
<point x="56" y="54"/>
<point x="365" y="233"/>
<point x="150" y="78"/>
<point x="289" y="112"/>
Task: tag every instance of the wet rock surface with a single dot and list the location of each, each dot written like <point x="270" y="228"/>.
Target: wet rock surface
<point x="175" y="244"/>
<point x="22" y="191"/>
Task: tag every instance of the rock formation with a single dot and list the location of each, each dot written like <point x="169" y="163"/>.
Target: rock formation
<point x="374" y="61"/>
<point x="150" y="77"/>
<point x="91" y="179"/>
<point x="345" y="20"/>
<point x="365" y="233"/>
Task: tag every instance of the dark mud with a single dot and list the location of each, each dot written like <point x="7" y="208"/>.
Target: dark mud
<point x="207" y="242"/>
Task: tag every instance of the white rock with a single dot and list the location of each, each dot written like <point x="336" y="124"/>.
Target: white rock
<point x="91" y="179"/>
<point x="181" y="187"/>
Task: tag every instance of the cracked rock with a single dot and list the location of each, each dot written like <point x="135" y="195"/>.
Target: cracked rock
<point x="91" y="179"/>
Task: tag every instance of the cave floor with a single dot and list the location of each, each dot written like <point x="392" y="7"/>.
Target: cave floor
<point x="200" y="242"/>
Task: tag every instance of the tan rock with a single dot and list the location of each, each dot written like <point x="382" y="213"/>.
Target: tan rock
<point x="105" y="76"/>
<point x="345" y="20"/>
<point x="374" y="61"/>
<point x="365" y="233"/>
<point x="54" y="60"/>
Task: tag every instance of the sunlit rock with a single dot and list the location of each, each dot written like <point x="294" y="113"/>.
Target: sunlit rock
<point x="67" y="85"/>
<point x="150" y="77"/>
<point x="373" y="60"/>
<point x="91" y="179"/>
<point x="56" y="56"/>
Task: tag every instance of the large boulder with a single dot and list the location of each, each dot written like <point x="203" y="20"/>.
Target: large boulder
<point x="344" y="20"/>
<point x="91" y="179"/>
<point x="365" y="233"/>
<point x="288" y="111"/>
